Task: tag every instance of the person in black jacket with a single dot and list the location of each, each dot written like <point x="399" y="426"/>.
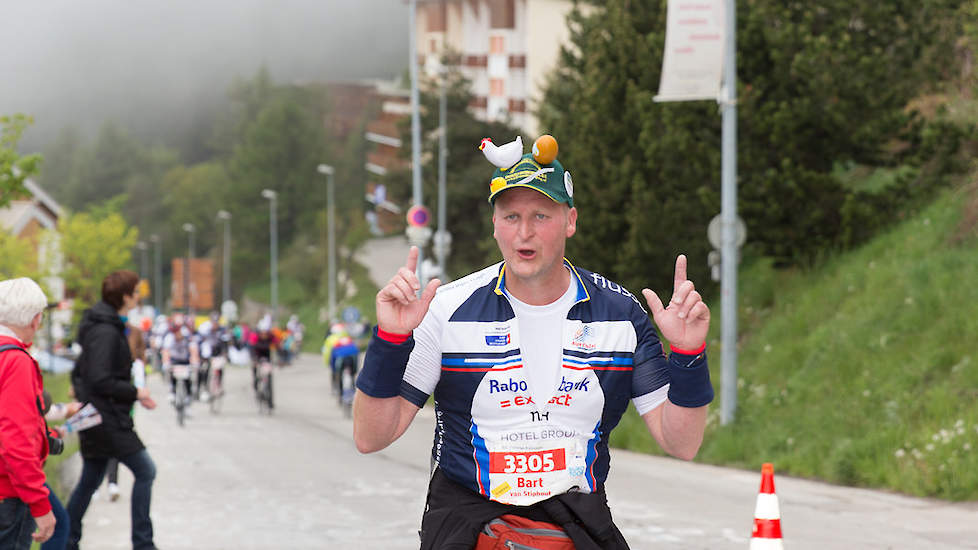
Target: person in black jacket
<point x="102" y="377"/>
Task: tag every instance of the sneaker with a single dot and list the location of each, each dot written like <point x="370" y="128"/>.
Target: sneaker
<point x="205" y="396"/>
<point x="113" y="492"/>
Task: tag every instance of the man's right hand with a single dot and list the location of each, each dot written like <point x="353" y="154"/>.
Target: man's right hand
<point x="45" y="527"/>
<point x="399" y="310"/>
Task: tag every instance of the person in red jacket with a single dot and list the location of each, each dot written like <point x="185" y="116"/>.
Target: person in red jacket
<point x="24" y="504"/>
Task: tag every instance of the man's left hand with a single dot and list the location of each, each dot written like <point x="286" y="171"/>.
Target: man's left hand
<point x="686" y="320"/>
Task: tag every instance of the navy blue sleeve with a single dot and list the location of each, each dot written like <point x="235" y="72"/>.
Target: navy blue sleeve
<point x="412" y="394"/>
<point x="651" y="370"/>
<point x="383" y="367"/>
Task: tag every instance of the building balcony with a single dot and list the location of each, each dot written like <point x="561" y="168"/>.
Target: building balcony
<point x="384" y="131"/>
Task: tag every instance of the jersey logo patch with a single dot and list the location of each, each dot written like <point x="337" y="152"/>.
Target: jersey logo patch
<point x="583" y="338"/>
<point x="497" y="339"/>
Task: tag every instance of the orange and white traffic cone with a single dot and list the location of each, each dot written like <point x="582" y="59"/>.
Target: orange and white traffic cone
<point x="767" y="514"/>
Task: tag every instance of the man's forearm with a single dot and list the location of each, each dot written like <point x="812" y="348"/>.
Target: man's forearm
<point x="376" y="421"/>
<point x="682" y="429"/>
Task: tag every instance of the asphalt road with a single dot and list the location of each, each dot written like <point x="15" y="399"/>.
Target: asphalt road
<point x="238" y="480"/>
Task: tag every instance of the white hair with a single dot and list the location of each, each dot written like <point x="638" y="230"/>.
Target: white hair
<point x="20" y="301"/>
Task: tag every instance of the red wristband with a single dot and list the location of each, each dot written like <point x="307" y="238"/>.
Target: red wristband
<point x="392" y="337"/>
<point x="696" y="351"/>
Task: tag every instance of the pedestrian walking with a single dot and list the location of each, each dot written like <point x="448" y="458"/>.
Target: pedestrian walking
<point x="25" y="505"/>
<point x="57" y="412"/>
<point x="102" y="377"/>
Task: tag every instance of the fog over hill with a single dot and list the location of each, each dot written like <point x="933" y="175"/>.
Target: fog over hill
<point x="153" y="67"/>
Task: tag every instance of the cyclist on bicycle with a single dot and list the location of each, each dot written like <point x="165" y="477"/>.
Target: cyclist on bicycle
<point x="179" y="348"/>
<point x="212" y="345"/>
<point x="262" y="343"/>
<point x="343" y="357"/>
<point x="336" y="331"/>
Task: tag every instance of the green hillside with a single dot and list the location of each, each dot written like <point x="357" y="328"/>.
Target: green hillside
<point x="864" y="370"/>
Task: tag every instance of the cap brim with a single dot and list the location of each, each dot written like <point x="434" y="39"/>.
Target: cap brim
<point x="493" y="195"/>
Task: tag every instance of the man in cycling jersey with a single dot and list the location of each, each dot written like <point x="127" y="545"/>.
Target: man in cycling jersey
<point x="344" y="359"/>
<point x="262" y="342"/>
<point x="531" y="362"/>
<point x="180" y="348"/>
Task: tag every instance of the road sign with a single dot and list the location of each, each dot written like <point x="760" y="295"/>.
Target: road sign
<point x="714" y="232"/>
<point x="351" y="315"/>
<point x="418" y="216"/>
<point x="417" y="235"/>
<point x="442" y="243"/>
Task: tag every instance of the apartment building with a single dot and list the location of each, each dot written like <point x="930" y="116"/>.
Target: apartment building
<point x="505" y="47"/>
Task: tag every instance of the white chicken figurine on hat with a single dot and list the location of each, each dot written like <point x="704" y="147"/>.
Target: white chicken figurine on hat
<point x="502" y="156"/>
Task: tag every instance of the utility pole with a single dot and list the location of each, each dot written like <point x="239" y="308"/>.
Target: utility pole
<point x="158" y="273"/>
<point x="143" y="259"/>
<point x="190" y="229"/>
<point x="331" y="241"/>
<point x="226" y="267"/>
<point x="415" y="127"/>
<point x="273" y="231"/>
<point x="443" y="238"/>
<point x="728" y="217"/>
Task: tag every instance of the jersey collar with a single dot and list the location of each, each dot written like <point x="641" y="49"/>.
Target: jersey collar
<point x="582" y="293"/>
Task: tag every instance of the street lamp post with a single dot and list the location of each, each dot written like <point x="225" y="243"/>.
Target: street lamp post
<point x="272" y="197"/>
<point x="226" y="269"/>
<point x="442" y="238"/>
<point x="190" y="229"/>
<point x="415" y="126"/>
<point x="158" y="273"/>
<point x="331" y="240"/>
<point x="143" y="259"/>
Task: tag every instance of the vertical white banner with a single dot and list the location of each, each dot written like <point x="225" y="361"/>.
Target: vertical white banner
<point x="692" y="64"/>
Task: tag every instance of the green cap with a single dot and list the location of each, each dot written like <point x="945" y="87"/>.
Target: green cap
<point x="550" y="179"/>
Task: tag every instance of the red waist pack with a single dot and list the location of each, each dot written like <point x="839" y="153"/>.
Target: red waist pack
<point x="511" y="532"/>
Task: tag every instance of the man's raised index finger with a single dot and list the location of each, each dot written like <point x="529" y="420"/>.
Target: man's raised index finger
<point x="412" y="259"/>
<point x="680" y="276"/>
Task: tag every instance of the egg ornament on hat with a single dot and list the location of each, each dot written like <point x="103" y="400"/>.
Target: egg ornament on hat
<point x="539" y="170"/>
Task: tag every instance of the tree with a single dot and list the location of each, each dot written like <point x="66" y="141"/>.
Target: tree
<point x="642" y="172"/>
<point x="280" y="151"/>
<point x="821" y="85"/>
<point x="94" y="244"/>
<point x="16" y="257"/>
<point x="14" y="167"/>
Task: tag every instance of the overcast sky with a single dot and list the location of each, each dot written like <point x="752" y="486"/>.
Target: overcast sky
<point x="81" y="62"/>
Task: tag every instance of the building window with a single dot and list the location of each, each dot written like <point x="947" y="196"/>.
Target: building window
<point x="497" y="44"/>
<point x="502" y="14"/>
<point x="496" y="87"/>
